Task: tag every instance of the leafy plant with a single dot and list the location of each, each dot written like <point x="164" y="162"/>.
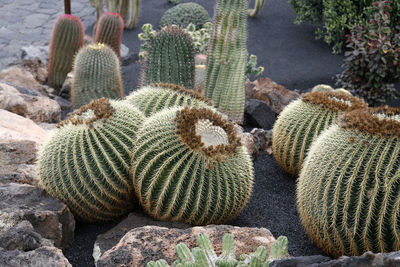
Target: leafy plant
<point x="252" y="67"/>
<point x="204" y="255"/>
<point x="372" y="65"/>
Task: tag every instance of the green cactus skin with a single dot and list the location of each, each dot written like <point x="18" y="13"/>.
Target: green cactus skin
<point x="227" y="58"/>
<point x="348" y="190"/>
<point x="302" y="121"/>
<point x="204" y="255"/>
<point x="153" y="98"/>
<point x="184" y="14"/>
<point x="170" y="59"/>
<point x="128" y="9"/>
<point x="66" y="39"/>
<point x="200" y="73"/>
<point x="257" y="8"/>
<point x="86" y="161"/>
<point x="190" y="166"/>
<point x="97" y="75"/>
<point x="109" y="31"/>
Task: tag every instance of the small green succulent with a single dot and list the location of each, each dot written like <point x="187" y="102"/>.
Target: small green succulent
<point x="252" y="67"/>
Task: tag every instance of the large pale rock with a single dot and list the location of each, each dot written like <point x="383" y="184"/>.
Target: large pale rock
<point x="49" y="217"/>
<point x="141" y="245"/>
<point x="40" y="257"/>
<point x="109" y="239"/>
<point x="34" y="52"/>
<point x="28" y="103"/>
<point x="276" y="96"/>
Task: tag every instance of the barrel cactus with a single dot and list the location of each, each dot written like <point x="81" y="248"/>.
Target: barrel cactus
<point x="67" y="38"/>
<point x="189" y="166"/>
<point x="153" y="98"/>
<point x="184" y="14"/>
<point x="109" y="31"/>
<point x="348" y="191"/>
<point x="97" y="75"/>
<point x="302" y="121"/>
<point x="86" y="161"/>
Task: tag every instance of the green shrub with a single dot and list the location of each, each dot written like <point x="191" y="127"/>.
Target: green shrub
<point x="307" y="10"/>
<point x="372" y="65"/>
<point x="185" y="13"/>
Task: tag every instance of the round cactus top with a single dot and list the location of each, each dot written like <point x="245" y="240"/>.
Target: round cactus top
<point x="97" y="110"/>
<point x="182" y="90"/>
<point x="335" y="100"/>
<point x="382" y="120"/>
<point x="205" y="130"/>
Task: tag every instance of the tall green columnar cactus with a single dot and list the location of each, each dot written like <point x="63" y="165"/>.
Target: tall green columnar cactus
<point x="86" y="161"/>
<point x="189" y="166"/>
<point x="258" y="5"/>
<point x="227" y="58"/>
<point x="303" y="120"/>
<point x="97" y="74"/>
<point x="348" y="191"/>
<point x="170" y="59"/>
<point x="66" y="39"/>
<point x="153" y="98"/>
<point x="128" y="9"/>
<point x="109" y="31"/>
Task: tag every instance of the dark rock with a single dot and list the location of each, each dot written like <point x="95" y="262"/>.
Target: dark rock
<point x="258" y="113"/>
<point x="303" y="261"/>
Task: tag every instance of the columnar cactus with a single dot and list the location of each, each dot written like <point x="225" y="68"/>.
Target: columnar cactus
<point x="109" y="31"/>
<point x="189" y="166"/>
<point x="227" y="58"/>
<point x="129" y="10"/>
<point x="66" y="39"/>
<point x="302" y="121"/>
<point x="258" y="5"/>
<point x="170" y="58"/>
<point x="86" y="161"/>
<point x="97" y="74"/>
<point x="153" y="98"/>
<point x="348" y="190"/>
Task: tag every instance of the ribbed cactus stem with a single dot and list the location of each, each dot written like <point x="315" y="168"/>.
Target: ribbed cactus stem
<point x="67" y="38"/>
<point x="170" y="59"/>
<point x="128" y="9"/>
<point x="228" y="255"/>
<point x="200" y="73"/>
<point x="258" y="5"/>
<point x="227" y="58"/>
<point x="97" y="75"/>
<point x="109" y="31"/>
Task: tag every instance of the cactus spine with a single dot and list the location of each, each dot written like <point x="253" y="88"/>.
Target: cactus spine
<point x="153" y="98"/>
<point x="97" y="74"/>
<point x="302" y="121"/>
<point x="86" y="161"/>
<point x="348" y="191"/>
<point x="170" y="59"/>
<point x="227" y="58"/>
<point x="67" y="38"/>
<point x="128" y="9"/>
<point x="257" y="8"/>
<point x="109" y="31"/>
<point x="189" y="166"/>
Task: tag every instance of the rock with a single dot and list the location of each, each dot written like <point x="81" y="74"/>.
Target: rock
<point x="258" y="113"/>
<point x="48" y="216"/>
<point x="124" y="52"/>
<point x="14" y="127"/>
<point x="35" y="52"/>
<point x="40" y="257"/>
<point x="109" y="239"/>
<point x="28" y="103"/>
<point x="302" y="261"/>
<point x="141" y="245"/>
<point x="257" y="141"/>
<point x="276" y="96"/>
<point x="47" y="126"/>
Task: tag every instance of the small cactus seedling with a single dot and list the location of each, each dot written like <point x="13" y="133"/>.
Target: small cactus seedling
<point x="67" y="38"/>
<point x="97" y="75"/>
<point x="303" y="120"/>
<point x="204" y="255"/>
<point x="189" y="166"/>
<point x="109" y="31"/>
<point x="348" y="190"/>
<point x="86" y="161"/>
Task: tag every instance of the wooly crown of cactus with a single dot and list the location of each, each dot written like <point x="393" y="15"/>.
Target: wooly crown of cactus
<point x="204" y="255"/>
<point x="86" y="161"/>
<point x="227" y="58"/>
<point x="170" y="58"/>
<point x="109" y="31"/>
<point x="97" y="74"/>
<point x="67" y="38"/>
<point x="328" y="88"/>
<point x="153" y="98"/>
<point x="348" y="191"/>
<point x="303" y="120"/>
<point x="189" y="166"/>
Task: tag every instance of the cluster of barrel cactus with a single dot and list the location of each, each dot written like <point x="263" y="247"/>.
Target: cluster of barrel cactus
<point x="204" y="255"/>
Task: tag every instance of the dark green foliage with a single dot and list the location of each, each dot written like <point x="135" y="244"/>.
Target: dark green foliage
<point x="109" y="31"/>
<point x="170" y="58"/>
<point x="185" y="13"/>
<point x="372" y="65"/>
<point x="307" y="10"/>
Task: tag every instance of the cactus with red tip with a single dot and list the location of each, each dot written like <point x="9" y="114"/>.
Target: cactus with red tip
<point x="109" y="31"/>
<point x="67" y="38"/>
